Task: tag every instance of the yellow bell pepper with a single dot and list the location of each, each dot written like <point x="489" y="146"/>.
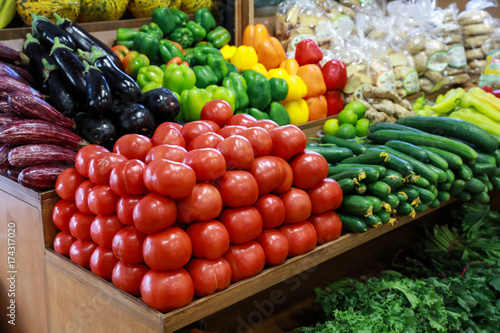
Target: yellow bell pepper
<point x="298" y="110"/>
<point x="277" y="72"/>
<point x="244" y="57"/>
<point x="297" y="89"/>
<point x="228" y="51"/>
<point x="259" y="68"/>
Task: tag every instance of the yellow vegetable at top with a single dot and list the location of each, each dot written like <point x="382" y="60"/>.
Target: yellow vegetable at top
<point x="297" y="110"/>
<point x="259" y="68"/>
<point x="244" y="57"/>
<point x="227" y="51"/>
<point x="277" y="72"/>
<point x="297" y="89"/>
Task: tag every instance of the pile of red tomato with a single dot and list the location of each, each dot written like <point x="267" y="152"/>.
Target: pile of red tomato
<point x="195" y="207"/>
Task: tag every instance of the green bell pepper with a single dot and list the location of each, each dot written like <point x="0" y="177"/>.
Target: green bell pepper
<point x="258" y="114"/>
<point x="250" y="75"/>
<point x="148" y="45"/>
<point x="168" y="51"/>
<point x="134" y="61"/>
<point x="218" y="66"/>
<point x="180" y="17"/>
<point x="178" y="78"/>
<point x="152" y="29"/>
<point x="197" y="30"/>
<point x="190" y="58"/>
<point x="183" y="36"/>
<point x="279" y="89"/>
<point x="231" y="68"/>
<point x="126" y="36"/>
<point x="201" y="52"/>
<point x="222" y="93"/>
<point x="278" y="113"/>
<point x="205" y="76"/>
<point x="149" y="78"/>
<point x="164" y="18"/>
<point x="238" y="85"/>
<point x="219" y="37"/>
<point x="258" y="89"/>
<point x="204" y="17"/>
<point x="192" y="101"/>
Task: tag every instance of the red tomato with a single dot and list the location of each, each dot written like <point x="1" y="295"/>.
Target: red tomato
<point x="125" y="208"/>
<point x="169" y="178"/>
<point x="287" y="177"/>
<point x="166" y="291"/>
<point x="167" y="250"/>
<point x="326" y="195"/>
<point x="328" y="226"/>
<point x="81" y="195"/>
<point x="102" y="200"/>
<point x="266" y="124"/>
<point x="210" y="239"/>
<point x="243" y="224"/>
<point x="288" y="141"/>
<point x="309" y="168"/>
<point x="104" y="228"/>
<point x="166" y="152"/>
<point x="218" y="111"/>
<point x="214" y="125"/>
<point x="128" y="277"/>
<point x="237" y="151"/>
<point x="84" y="155"/>
<point x="297" y="205"/>
<point x="242" y="119"/>
<point x="62" y="213"/>
<point x="231" y="130"/>
<point x="271" y="209"/>
<point x="127" y="178"/>
<point x="168" y="135"/>
<point x="237" y="188"/>
<point x="209" y="275"/>
<point x="133" y="146"/>
<point x="67" y="182"/>
<point x="194" y="128"/>
<point x="154" y="213"/>
<point x="62" y="243"/>
<point x="205" y="140"/>
<point x="207" y="163"/>
<point x="102" y="262"/>
<point x="203" y="204"/>
<point x="80" y="252"/>
<point x="168" y="124"/>
<point x="100" y="166"/>
<point x="246" y="260"/>
<point x="79" y="225"/>
<point x="259" y="139"/>
<point x="127" y="245"/>
<point x="301" y="237"/>
<point x="267" y="172"/>
<point x="275" y="246"/>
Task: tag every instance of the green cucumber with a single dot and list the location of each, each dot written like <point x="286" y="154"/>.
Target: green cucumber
<point x="496" y="183"/>
<point x="483" y="168"/>
<point x="402" y="196"/>
<point x="464" y="196"/>
<point x="371" y="157"/>
<point x="418" y="180"/>
<point x="474" y="186"/>
<point x="484" y="178"/>
<point x="424" y="139"/>
<point x="451" y="175"/>
<point x="377" y="203"/>
<point x="446" y="186"/>
<point x="433" y="188"/>
<point x="481" y="197"/>
<point x="356" y="205"/>
<point x="352" y="223"/>
<point x="496" y="172"/>
<point x="312" y="144"/>
<point x="384" y="216"/>
<point x="394" y="179"/>
<point x="409" y="149"/>
<point x="454" y="161"/>
<point x="454" y="128"/>
<point x="379" y="189"/>
<point x="405" y="209"/>
<point x="392" y="126"/>
<point x="360" y="173"/>
<point x="411" y="194"/>
<point x="443" y="196"/>
<point x="420" y="208"/>
<point x="464" y="172"/>
<point x="346" y="185"/>
<point x="361" y="188"/>
<point x="381" y="169"/>
<point x="456" y="187"/>
<point x="442" y="175"/>
<point x="489" y="186"/>
<point x="496" y="153"/>
<point x="425" y="195"/>
<point x="435" y="203"/>
<point x="486" y="158"/>
<point x="332" y="154"/>
<point x="392" y="200"/>
<point x="372" y="221"/>
<point x="437" y="160"/>
<point x="355" y="147"/>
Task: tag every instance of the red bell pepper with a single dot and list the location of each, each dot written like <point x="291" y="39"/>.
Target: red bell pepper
<point x="334" y="101"/>
<point x="334" y="74"/>
<point x="308" y="52"/>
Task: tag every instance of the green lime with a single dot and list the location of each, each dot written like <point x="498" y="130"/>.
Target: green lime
<point x="358" y="108"/>
<point x="346" y="131"/>
<point x="347" y="117"/>
<point x="331" y="126"/>
<point x="362" y="127"/>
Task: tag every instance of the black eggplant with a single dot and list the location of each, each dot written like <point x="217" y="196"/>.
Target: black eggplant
<point x="133" y="117"/>
<point x="99" y="95"/>
<point x="162" y="102"/>
<point x="47" y="31"/>
<point x="84" y="41"/>
<point x="121" y="84"/>
<point x="96" y="130"/>
<point x="71" y="66"/>
<point x="36" y="52"/>
<point x="62" y="98"/>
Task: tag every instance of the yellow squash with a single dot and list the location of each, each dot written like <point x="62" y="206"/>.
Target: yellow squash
<point x="101" y="10"/>
<point x="64" y="8"/>
<point x="145" y="8"/>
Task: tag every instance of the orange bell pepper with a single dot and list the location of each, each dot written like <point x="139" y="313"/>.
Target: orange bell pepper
<point x="121" y="51"/>
<point x="271" y="52"/>
<point x="254" y="34"/>
<point x="318" y="108"/>
<point x="290" y="65"/>
<point x="313" y="78"/>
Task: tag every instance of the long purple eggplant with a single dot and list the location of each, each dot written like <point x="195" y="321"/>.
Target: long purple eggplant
<point x="7" y="119"/>
<point x="23" y="71"/>
<point x="29" y="155"/>
<point x="7" y="71"/>
<point x="9" y="85"/>
<point x="4" y="155"/>
<point x="8" y="54"/>
<point x="40" y="177"/>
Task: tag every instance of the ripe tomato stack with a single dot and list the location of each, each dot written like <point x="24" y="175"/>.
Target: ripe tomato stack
<point x="195" y="207"/>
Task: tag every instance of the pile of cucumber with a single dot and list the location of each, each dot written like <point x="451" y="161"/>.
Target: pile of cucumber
<point x="410" y="166"/>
